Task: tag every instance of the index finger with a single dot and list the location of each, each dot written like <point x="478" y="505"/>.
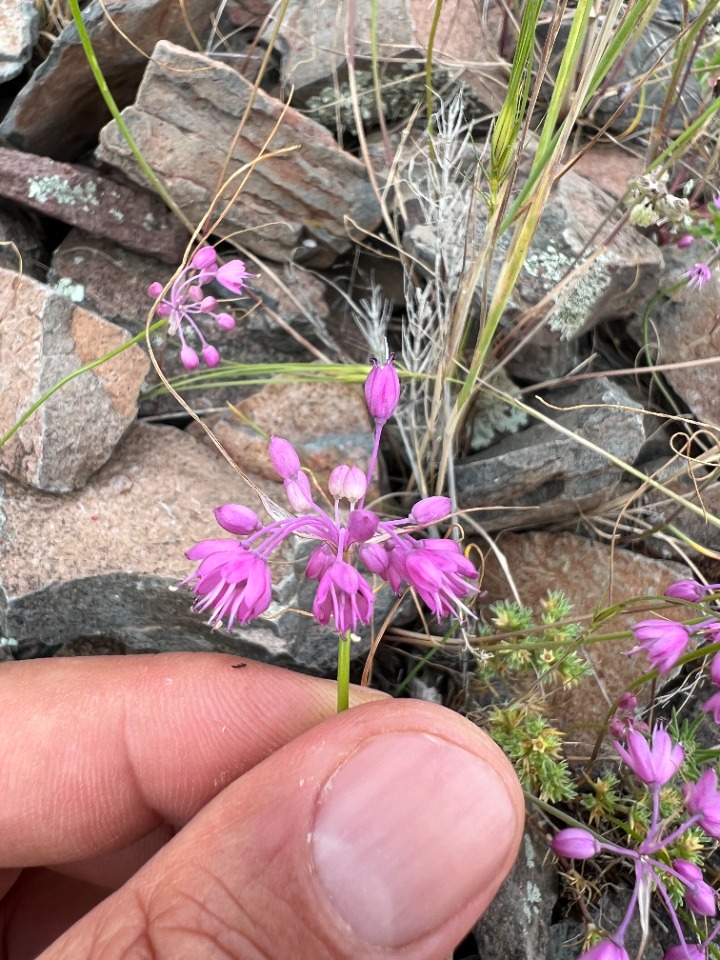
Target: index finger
<point x="99" y="751"/>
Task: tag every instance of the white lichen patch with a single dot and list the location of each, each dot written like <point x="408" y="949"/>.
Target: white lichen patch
<point x="116" y="214"/>
<point x="533" y="897"/>
<point x="68" y="288"/>
<point x="494" y="417"/>
<point x="149" y="223"/>
<point x="59" y="190"/>
<point x="576" y="302"/>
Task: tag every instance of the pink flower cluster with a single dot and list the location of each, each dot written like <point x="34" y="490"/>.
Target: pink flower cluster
<point x="665" y="641"/>
<point x="233" y="581"/>
<point x="655" y="763"/>
<point x="187" y="302"/>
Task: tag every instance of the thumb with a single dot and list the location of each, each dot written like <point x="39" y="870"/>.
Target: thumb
<point x="383" y="832"/>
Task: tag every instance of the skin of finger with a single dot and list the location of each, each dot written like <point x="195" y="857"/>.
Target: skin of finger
<point x="238" y="881"/>
<point x="99" y="752"/>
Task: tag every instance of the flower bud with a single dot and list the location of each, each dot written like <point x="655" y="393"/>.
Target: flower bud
<point x="686" y="590"/>
<point x="189" y="358"/>
<point x="382" y="390"/>
<point x="575" y="844"/>
<point x="685" y="241"/>
<point x="204" y="258"/>
<point x="298" y="492"/>
<point x="283" y="457"/>
<point x="195" y="293"/>
<point x="347" y="483"/>
<point x="164" y="309"/>
<point x="375" y="557"/>
<point x="236" y="518"/>
<point x="211" y="356"/>
<point x="715" y="669"/>
<point x="207" y="304"/>
<point x="361" y="525"/>
<point x="430" y="510"/>
<point x="225" y="321"/>
<point x="319" y="562"/>
<point x="155" y="289"/>
<point x="628" y="701"/>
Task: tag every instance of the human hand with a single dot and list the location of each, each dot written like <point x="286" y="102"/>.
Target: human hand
<point x="173" y="807"/>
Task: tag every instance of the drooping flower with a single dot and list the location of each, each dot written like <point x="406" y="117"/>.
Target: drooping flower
<point x="440" y="573"/>
<point x="575" y="844"/>
<point x="344" y="596"/>
<point x="654" y="763"/>
<point x="687" y="590"/>
<point x="713" y="706"/>
<point x="232" y="276"/>
<point x="428" y="511"/>
<point x="703" y="802"/>
<point x="688" y="951"/>
<point x="664" y="642"/>
<point x="607" y="950"/>
<point x="231" y="581"/>
<point x="698" y="275"/>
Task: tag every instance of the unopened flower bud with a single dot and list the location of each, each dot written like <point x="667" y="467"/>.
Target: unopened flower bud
<point x="155" y="289"/>
<point x="361" y="525"/>
<point x="238" y="519"/>
<point x="382" y="390"/>
<point x="628" y="701"/>
<point x="575" y="844"/>
<point x="686" y="590"/>
<point x="164" y="310"/>
<point x="715" y="669"/>
<point x="195" y="293"/>
<point x="211" y="356"/>
<point x="686" y="241"/>
<point x="225" y="321"/>
<point x="319" y="561"/>
<point x="298" y="492"/>
<point x="347" y="483"/>
<point x="189" y="358"/>
<point x="283" y="457"/>
<point x="430" y="510"/>
<point x="375" y="557"/>
<point x="204" y="258"/>
<point x="208" y="304"/>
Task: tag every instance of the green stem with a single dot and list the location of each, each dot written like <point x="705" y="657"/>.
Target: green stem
<point x="343" y="673"/>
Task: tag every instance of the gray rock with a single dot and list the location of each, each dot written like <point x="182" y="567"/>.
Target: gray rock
<point x="112" y="554"/>
<point x="540" y="475"/>
<point x="44" y="337"/>
<point x="516" y="924"/>
<point x="79" y="196"/>
<point x="60" y="111"/>
<point x="19" y="28"/>
<point x="186" y="122"/>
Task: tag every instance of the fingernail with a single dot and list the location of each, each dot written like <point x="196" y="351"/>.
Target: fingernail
<point x="408" y="831"/>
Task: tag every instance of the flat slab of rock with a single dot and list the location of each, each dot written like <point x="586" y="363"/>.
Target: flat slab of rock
<point x="59" y="112"/>
<point x="44" y="337"/>
<point x="19" y="28"/>
<point x="105" y="561"/>
<point x="81" y="197"/>
<point x="593" y="576"/>
<point x="186" y="121"/>
<point x="540" y="475"/>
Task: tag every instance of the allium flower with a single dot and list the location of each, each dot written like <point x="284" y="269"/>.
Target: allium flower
<point x="382" y="390"/>
<point x="715" y="669"/>
<point x="703" y="802"/>
<point x="439" y="572"/>
<point x="662" y="640"/>
<point x="430" y="510"/>
<point x="713" y="706"/>
<point x="607" y="950"/>
<point x="685" y="241"/>
<point x="687" y="590"/>
<point x="231" y="581"/>
<point x="654" y="763"/>
<point x="186" y="303"/>
<point x="698" y="275"/>
<point x="345" y="596"/>
<point x="699" y="896"/>
<point x="689" y="951"/>
<point x="575" y="844"/>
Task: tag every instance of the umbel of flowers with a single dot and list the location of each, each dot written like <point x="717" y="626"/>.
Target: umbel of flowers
<point x="232" y="582"/>
<point x="187" y="303"/>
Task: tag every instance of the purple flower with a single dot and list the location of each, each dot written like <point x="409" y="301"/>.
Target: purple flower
<point x="713" y="706"/>
<point x="607" y="950"/>
<point x="345" y="596"/>
<point x="439" y="572"/>
<point x="703" y="802"/>
<point x="236" y="518"/>
<point x="232" y="276"/>
<point x="382" y="390"/>
<point x="347" y="483"/>
<point x="687" y="590"/>
<point x="686" y="241"/>
<point x="699" y="896"/>
<point x="715" y="669"/>
<point x="231" y="581"/>
<point x="688" y="951"/>
<point x="186" y="304"/>
<point x="662" y="640"/>
<point x="698" y="275"/>
<point x="284" y="458"/>
<point x="430" y="510"/>
<point x="575" y="844"/>
<point x="654" y="763"/>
